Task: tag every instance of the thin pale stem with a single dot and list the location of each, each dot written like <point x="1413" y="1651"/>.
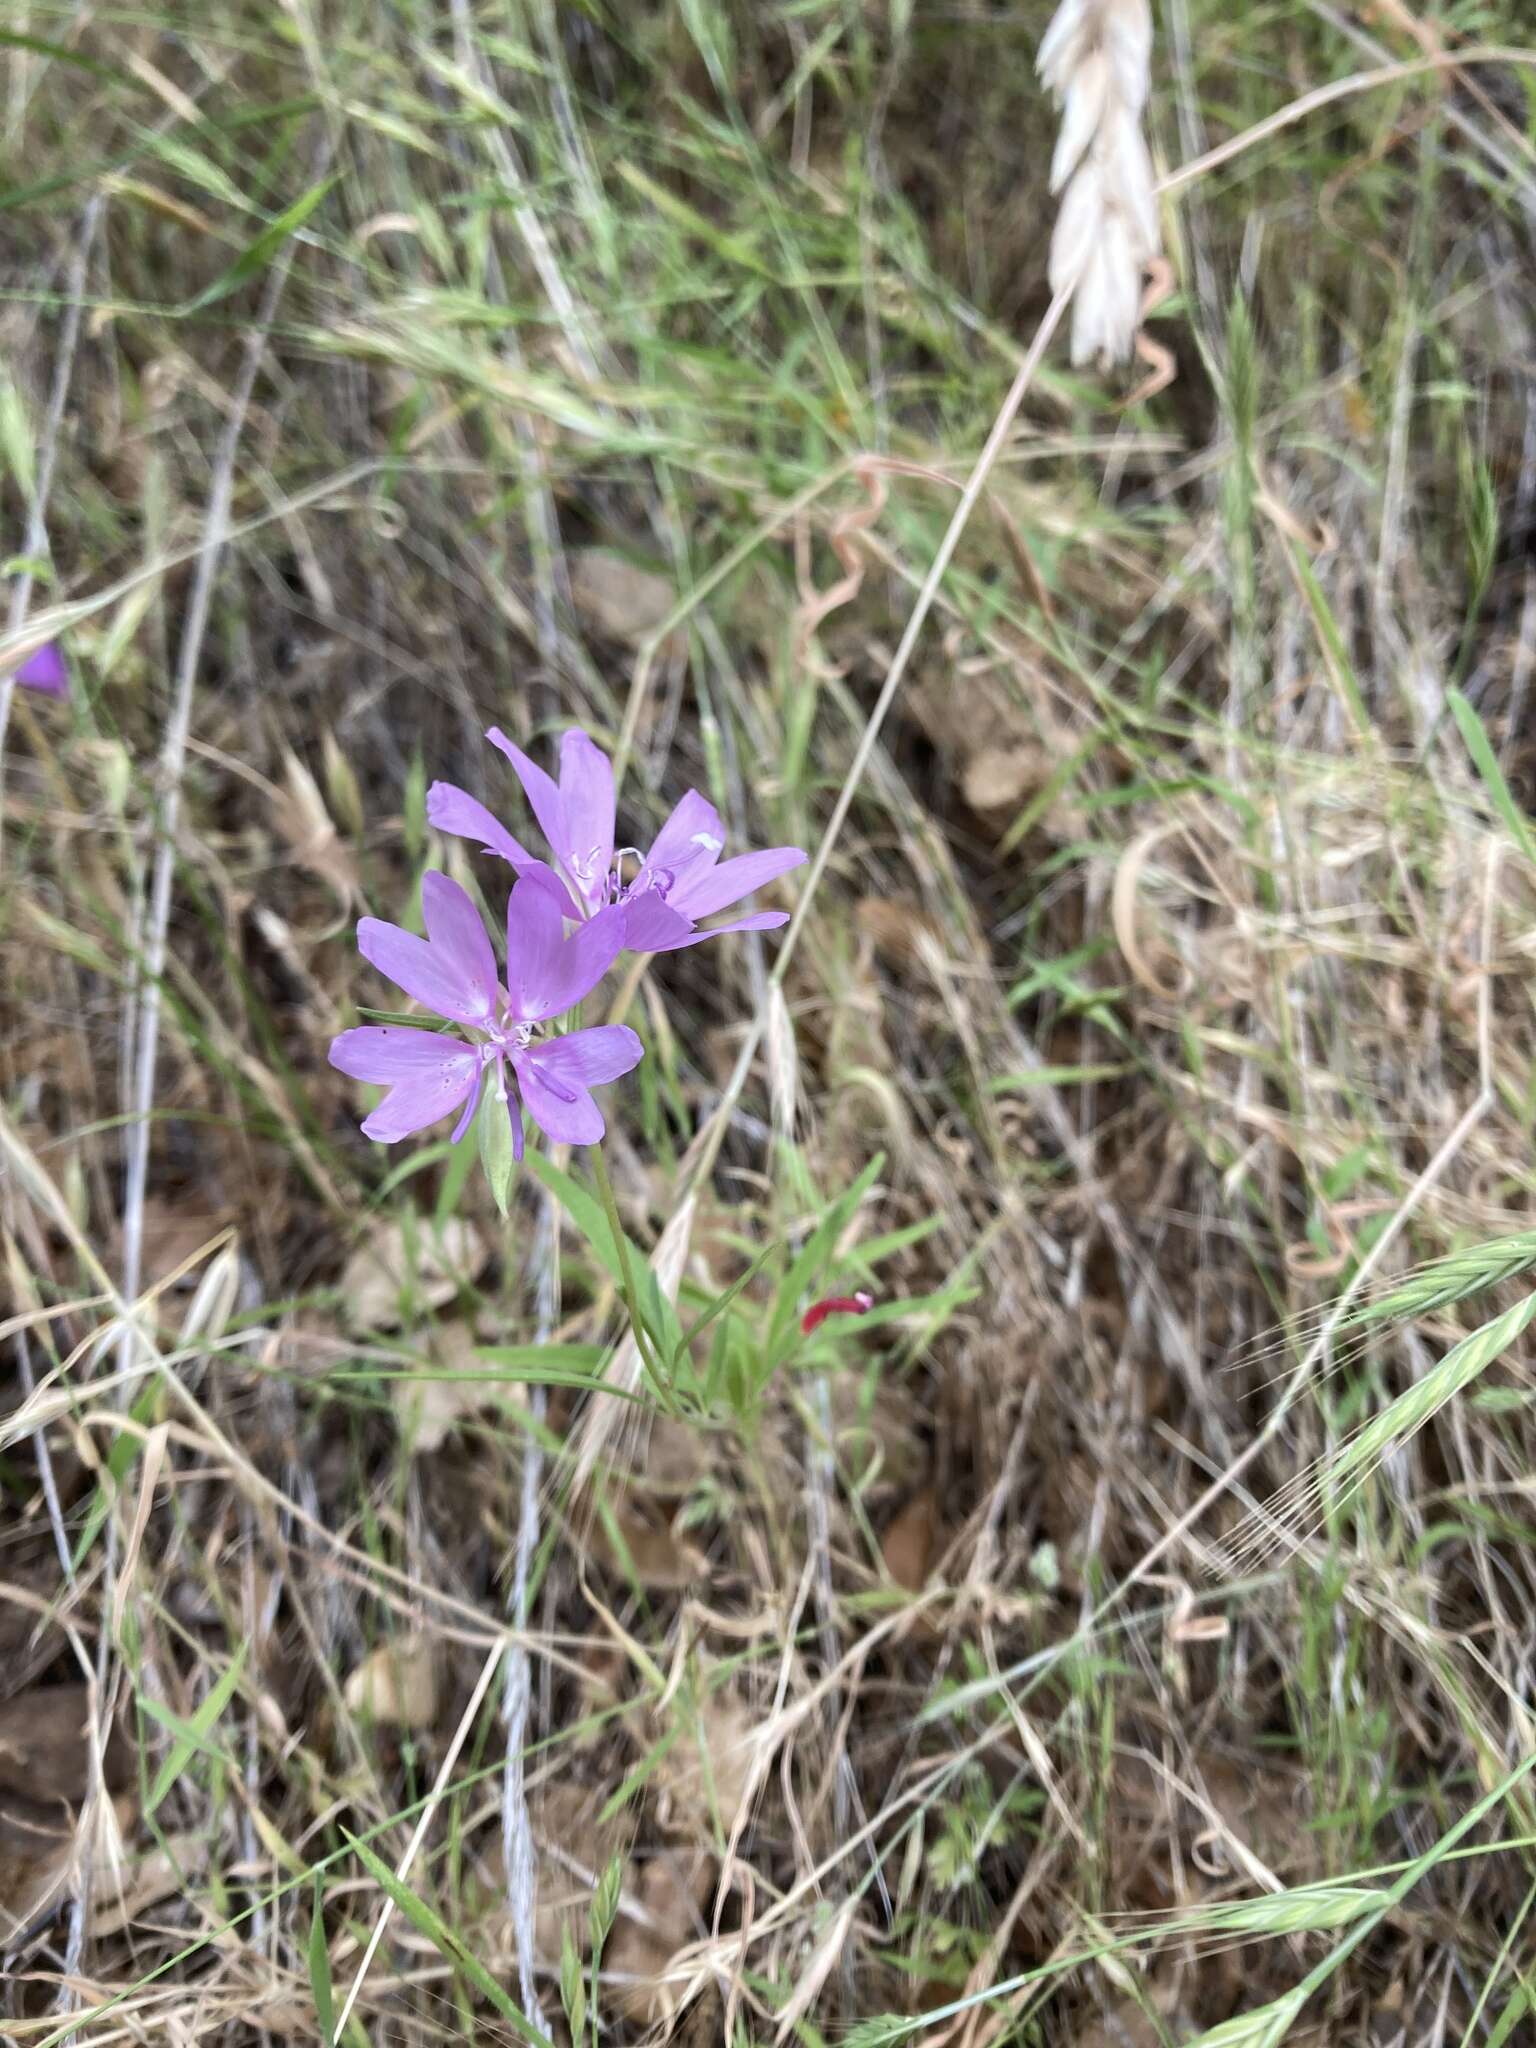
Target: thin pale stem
<point x="975" y="484"/>
<point x="146" y="1035"/>
<point x="517" y="1699"/>
<point x="419" y="1833"/>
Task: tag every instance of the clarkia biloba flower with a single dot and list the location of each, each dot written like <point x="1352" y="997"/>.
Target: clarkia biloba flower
<point x="681" y="880"/>
<point x="612" y="897"/>
<point x="453" y="972"/>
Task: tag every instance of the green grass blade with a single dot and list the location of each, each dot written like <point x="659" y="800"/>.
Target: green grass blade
<point x="257" y="254"/>
<point x="446" y="1942"/>
<point x="320" y="1968"/>
<point x="1486" y="762"/>
<point x="196" y="1732"/>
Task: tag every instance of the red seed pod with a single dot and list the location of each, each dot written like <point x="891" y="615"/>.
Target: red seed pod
<point x="836" y="1305"/>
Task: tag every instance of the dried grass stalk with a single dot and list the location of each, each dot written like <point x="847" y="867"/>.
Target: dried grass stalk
<point x="1096" y="60"/>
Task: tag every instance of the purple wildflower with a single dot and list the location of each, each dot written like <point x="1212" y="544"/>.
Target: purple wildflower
<point x="681" y="880"/>
<point x="453" y="972"/>
<point x="45" y="671"/>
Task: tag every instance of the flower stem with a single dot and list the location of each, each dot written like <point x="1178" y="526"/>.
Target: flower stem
<point x="643" y="1340"/>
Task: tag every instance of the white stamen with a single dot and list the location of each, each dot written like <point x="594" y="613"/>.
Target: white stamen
<point x="584" y="872"/>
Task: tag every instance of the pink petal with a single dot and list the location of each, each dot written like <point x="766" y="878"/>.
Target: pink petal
<point x="654" y="927"/>
<point x="455" y="811"/>
<point x="393" y="1052"/>
<point x="542" y="795"/>
<point x="457" y="934"/>
<point x="758" y="921"/>
<point x="419" y="968"/>
<point x="429" y="1074"/>
<point x="555" y="1080"/>
<point x="535" y="934"/>
<point x="585" y="958"/>
<point x="410" y="1106"/>
<point x="467" y="1117"/>
<point x="544" y="877"/>
<point x="570" y="1118"/>
<point x="587" y="1058"/>
<point x="586" y="805"/>
<point x="690" y="841"/>
<point x="697" y="895"/>
<point x="45" y="671"/>
<point x="547" y="972"/>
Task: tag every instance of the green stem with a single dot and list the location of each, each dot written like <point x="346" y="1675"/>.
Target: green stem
<point x="638" y="1331"/>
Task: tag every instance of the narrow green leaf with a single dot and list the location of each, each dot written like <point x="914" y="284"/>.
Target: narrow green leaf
<point x="199" y="170"/>
<point x="719" y="1305"/>
<point x="1334" y="650"/>
<point x="1059" y="1077"/>
<point x="16" y="440"/>
<point x="196" y="1732"/>
<point x="586" y="1212"/>
<point x="120" y="1461"/>
<point x="1516" y="2010"/>
<point x="320" y="1968"/>
<point x="11" y="40"/>
<point x="446" y="1942"/>
<point x="76" y="945"/>
<point x="460" y="1164"/>
<point x="602" y="1913"/>
<point x="1486" y="762"/>
<point x="873" y="1251"/>
<point x="573" y="1990"/>
<point x="257" y="254"/>
<point x="573" y="1362"/>
<point x="814" y="1255"/>
<point x="735" y="249"/>
<point x="414" y="808"/>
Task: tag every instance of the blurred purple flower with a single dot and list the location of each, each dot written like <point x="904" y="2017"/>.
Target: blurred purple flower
<point x="45" y="671"/>
<point x="453" y="972"/>
<point x="681" y="879"/>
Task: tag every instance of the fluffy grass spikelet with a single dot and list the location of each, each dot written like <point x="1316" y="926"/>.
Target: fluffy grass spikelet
<point x="1310" y="1909"/>
<point x="1095" y="57"/>
<point x="1300" y="1503"/>
<point x="1459" y="1275"/>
